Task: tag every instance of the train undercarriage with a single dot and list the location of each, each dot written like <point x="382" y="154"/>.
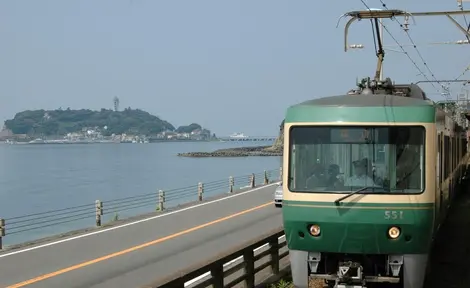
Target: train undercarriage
<point x="340" y="270"/>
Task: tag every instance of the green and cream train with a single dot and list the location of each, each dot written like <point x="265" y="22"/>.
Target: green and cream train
<point x="368" y="179"/>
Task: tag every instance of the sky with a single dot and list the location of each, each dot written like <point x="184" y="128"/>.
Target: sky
<point x="231" y="66"/>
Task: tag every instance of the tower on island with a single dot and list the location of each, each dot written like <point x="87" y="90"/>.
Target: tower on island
<point x="116" y="103"/>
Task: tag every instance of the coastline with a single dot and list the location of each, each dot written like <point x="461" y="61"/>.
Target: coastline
<point x="261" y="151"/>
<point x="264" y="151"/>
<point x="66" y="142"/>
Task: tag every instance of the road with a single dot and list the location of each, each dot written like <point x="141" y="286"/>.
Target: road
<point x="137" y="253"/>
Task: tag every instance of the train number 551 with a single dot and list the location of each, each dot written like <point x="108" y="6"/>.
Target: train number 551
<point x="393" y="215"/>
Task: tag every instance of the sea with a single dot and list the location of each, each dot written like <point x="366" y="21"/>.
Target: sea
<point x="41" y="178"/>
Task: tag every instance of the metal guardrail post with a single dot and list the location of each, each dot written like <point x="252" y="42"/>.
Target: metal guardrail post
<point x="280" y="173"/>
<point x="2" y="232"/>
<point x="252" y="180"/>
<point x="274" y="251"/>
<point x="200" y="190"/>
<point x="248" y="257"/>
<point x="98" y="212"/>
<point x="231" y="183"/>
<point x="241" y="258"/>
<point x="125" y="203"/>
<point x="161" y="200"/>
<point x="218" y="276"/>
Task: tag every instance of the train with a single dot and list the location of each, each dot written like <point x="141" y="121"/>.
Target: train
<point x="368" y="179"/>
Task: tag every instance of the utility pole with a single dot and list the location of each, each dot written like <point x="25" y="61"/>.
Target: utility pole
<point x="466" y="108"/>
<point x="381" y="40"/>
<point x="462" y="103"/>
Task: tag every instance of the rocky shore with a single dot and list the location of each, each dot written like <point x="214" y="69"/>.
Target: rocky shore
<point x="237" y="152"/>
<point x="274" y="150"/>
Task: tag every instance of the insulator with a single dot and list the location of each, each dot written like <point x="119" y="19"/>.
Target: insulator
<point x="406" y="24"/>
<point x="356" y="46"/>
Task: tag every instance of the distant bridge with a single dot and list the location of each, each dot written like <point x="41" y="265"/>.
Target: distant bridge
<point x="250" y="138"/>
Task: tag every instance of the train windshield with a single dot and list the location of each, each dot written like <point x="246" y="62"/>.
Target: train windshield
<point x="343" y="159"/>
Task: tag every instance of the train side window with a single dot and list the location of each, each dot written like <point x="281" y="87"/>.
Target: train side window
<point x="463" y="146"/>
<point x="410" y="160"/>
<point x="451" y="164"/>
<point x="439" y="150"/>
<point x="440" y="168"/>
<point x="446" y="157"/>
<point x="451" y="139"/>
<point x="454" y="150"/>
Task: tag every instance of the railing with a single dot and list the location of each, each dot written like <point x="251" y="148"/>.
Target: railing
<point x="161" y="200"/>
<point x="235" y="266"/>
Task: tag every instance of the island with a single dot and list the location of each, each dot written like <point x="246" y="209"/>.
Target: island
<point x="275" y="150"/>
<point x="63" y="126"/>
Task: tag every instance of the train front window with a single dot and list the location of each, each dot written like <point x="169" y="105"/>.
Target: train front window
<point x="344" y="159"/>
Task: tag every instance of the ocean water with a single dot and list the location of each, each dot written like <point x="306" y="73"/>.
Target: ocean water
<point x="39" y="178"/>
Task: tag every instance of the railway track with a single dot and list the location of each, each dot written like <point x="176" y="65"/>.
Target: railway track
<point x="450" y="256"/>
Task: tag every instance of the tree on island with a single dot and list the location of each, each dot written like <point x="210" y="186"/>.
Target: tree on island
<point x="61" y="122"/>
<point x="188" y="129"/>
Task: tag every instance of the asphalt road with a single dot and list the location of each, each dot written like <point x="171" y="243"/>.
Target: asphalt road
<point x="140" y="252"/>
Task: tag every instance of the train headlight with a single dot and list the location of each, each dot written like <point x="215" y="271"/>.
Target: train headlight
<point x="394" y="232"/>
<point x="314" y="230"/>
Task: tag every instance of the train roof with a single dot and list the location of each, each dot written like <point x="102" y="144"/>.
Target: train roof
<point x="368" y="100"/>
<point x="384" y="93"/>
<point x="363" y="108"/>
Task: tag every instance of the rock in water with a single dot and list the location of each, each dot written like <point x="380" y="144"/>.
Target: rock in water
<point x="274" y="150"/>
<point x="234" y="152"/>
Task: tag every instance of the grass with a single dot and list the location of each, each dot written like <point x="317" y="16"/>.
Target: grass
<point x="282" y="284"/>
<point x="286" y="282"/>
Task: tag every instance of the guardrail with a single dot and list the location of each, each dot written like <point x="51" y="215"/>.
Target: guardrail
<point x="161" y="200"/>
<point x="235" y="266"/>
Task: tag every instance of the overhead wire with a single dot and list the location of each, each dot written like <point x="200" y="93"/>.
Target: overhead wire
<point x="468" y="38"/>
<point x="463" y="73"/>
<point x="421" y="72"/>
<point x="416" y="48"/>
<point x="465" y="19"/>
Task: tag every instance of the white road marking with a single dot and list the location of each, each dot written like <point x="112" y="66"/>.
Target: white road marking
<point x="133" y="223"/>
<point x="226" y="264"/>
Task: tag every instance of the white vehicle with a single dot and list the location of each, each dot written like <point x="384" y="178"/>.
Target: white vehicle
<point x="278" y="195"/>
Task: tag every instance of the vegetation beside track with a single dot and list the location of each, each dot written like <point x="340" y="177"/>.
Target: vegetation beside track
<point x="286" y="282"/>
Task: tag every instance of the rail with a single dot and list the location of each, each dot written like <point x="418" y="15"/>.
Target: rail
<point x="235" y="266"/>
<point x="161" y="200"/>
